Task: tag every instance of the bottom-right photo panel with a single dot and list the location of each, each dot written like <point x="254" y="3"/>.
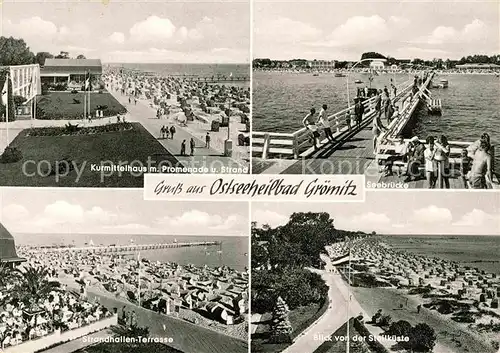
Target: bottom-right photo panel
<point x="400" y="272"/>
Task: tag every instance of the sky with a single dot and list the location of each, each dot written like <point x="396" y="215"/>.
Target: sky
<point x="108" y="211"/>
<point x="396" y="212"/>
<point x="134" y="31"/>
<point x="336" y="30"/>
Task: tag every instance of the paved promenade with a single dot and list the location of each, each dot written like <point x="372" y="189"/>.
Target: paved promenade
<point x="209" y="157"/>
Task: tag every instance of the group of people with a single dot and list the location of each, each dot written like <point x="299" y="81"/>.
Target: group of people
<point x="167" y="133"/>
<point x="475" y="162"/>
<point x="314" y="124"/>
<point x="382" y="105"/>
<point x="59" y="309"/>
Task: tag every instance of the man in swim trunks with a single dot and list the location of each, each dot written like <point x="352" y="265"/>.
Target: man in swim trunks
<point x="310" y="123"/>
<point x="480" y="176"/>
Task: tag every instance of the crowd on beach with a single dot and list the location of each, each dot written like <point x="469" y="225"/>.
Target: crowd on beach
<point x="212" y="297"/>
<point x="183" y="99"/>
<point x="24" y="317"/>
<point x="470" y="295"/>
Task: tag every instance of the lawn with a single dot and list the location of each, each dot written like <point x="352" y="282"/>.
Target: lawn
<point x="300" y="318"/>
<point x="40" y="154"/>
<point x="61" y="105"/>
<point x="128" y="348"/>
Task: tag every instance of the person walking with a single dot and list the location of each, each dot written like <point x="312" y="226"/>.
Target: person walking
<point x="183" y="148"/>
<point x="325" y="123"/>
<point x="359" y="110"/>
<point x="172" y="132"/>
<point x="162" y="132"/>
<point x="430" y="163"/>
<point x="207" y="140"/>
<point x="192" y="145"/>
<point x="377" y="129"/>
<point x="310" y="125"/>
<point x="443" y="161"/>
<point x="348" y="120"/>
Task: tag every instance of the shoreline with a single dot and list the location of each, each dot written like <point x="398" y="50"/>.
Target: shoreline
<point x="443" y="289"/>
<point x="382" y="72"/>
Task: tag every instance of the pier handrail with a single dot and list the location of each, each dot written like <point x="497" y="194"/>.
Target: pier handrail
<point x="291" y="144"/>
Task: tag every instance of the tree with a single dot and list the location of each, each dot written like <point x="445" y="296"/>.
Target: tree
<point x="15" y="52"/>
<point x="62" y="55"/>
<point x="372" y="55"/>
<point x="281" y="327"/>
<point x="81" y="56"/>
<point x="422" y="338"/>
<point x="417" y="61"/>
<point x="400" y="328"/>
<point x="42" y="56"/>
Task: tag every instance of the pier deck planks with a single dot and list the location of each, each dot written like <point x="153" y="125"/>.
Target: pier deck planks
<point x="350" y="156"/>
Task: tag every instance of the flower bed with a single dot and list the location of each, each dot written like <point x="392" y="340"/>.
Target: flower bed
<point x="75" y="130"/>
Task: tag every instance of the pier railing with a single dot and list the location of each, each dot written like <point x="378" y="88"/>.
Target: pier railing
<point x="298" y="145"/>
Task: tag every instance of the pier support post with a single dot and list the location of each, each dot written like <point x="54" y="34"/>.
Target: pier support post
<point x="265" y="147"/>
<point x="295" y="147"/>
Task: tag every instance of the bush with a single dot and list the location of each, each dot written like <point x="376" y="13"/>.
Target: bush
<point x="422" y="338"/>
<point x="74" y="91"/>
<point x="18" y="100"/>
<point x="11" y="155"/>
<point x="385" y="320"/>
<point x="400" y="328"/>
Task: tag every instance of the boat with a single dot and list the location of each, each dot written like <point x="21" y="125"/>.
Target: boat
<point x="358" y="81"/>
<point x="442" y="84"/>
<point x="315" y="74"/>
<point x="339" y="74"/>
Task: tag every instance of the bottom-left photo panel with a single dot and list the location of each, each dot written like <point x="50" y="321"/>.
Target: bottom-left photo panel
<point x="106" y="271"/>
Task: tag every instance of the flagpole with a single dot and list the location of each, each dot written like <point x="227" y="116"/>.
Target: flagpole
<point x="348" y="297"/>
<point x="139" y="279"/>
<point x="7" y="108"/>
<point x="88" y="100"/>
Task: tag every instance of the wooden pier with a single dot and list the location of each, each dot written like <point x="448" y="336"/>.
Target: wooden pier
<point x="129" y="248"/>
<point x="353" y="151"/>
<point x="217" y="79"/>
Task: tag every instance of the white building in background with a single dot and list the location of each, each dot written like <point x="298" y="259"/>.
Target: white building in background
<point x="25" y="81"/>
<point x="321" y="64"/>
<point x="377" y="65"/>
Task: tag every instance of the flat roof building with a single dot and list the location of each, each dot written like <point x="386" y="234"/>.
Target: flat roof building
<point x="70" y="70"/>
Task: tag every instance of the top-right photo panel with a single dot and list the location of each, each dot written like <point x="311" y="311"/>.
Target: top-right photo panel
<point x="405" y="93"/>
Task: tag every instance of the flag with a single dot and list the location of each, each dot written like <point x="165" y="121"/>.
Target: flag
<point x="5" y="91"/>
<point x="231" y="74"/>
<point x="87" y="80"/>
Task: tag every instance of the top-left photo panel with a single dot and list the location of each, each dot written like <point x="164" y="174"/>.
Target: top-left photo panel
<point x="97" y="94"/>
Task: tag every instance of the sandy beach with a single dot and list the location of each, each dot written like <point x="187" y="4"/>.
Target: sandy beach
<point x="214" y="298"/>
<point x="459" y="302"/>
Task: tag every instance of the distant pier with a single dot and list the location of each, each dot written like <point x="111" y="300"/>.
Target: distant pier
<point x="128" y="248"/>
